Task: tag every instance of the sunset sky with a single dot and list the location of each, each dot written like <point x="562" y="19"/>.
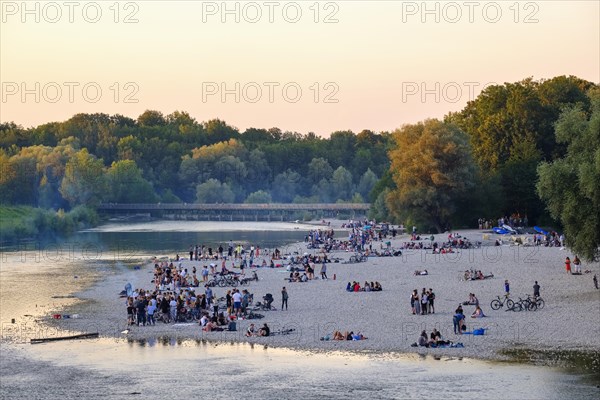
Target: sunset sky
<point x="366" y="68"/>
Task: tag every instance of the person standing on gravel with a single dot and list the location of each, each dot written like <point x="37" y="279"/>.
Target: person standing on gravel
<point x="324" y="271"/>
<point x="284" y="298"/>
<point x="536" y="289"/>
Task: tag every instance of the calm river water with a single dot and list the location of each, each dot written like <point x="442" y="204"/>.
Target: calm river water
<point x="35" y="276"/>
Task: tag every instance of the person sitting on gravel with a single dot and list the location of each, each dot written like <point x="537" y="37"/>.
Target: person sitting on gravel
<point x="264" y="331"/>
<point x="422" y="341"/>
<point x="424" y="272"/>
<point x="211" y="327"/>
<point x="473" y="301"/>
<point x="251" y="331"/>
<point x="478" y="313"/>
<point x="436" y="339"/>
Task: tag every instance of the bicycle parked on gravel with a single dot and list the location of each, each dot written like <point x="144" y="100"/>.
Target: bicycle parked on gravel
<point x="528" y="304"/>
<point x="498" y="303"/>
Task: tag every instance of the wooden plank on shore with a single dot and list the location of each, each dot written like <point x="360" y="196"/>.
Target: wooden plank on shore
<point x="54" y="339"/>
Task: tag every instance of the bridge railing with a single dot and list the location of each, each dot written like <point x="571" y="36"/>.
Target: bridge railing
<point x="236" y="206"/>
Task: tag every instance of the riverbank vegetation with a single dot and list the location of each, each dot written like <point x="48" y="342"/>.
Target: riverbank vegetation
<point x="26" y="222"/>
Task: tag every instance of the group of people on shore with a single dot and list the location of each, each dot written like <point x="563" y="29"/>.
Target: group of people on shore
<point x="473" y="275"/>
<point x="576" y="268"/>
<point x="514" y="220"/>
<point x="347" y="335"/>
<point x="433" y="340"/>
<point x="253" y="331"/>
<point x="473" y="300"/>
<point x="422" y="304"/>
<point x="367" y="287"/>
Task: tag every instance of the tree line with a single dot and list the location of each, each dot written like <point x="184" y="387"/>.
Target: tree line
<point x="504" y="153"/>
<point x="94" y="158"/>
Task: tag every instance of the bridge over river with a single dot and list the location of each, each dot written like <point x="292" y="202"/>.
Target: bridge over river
<point x="237" y="212"/>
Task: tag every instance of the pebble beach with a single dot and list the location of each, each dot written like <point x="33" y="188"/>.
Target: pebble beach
<point x="569" y="320"/>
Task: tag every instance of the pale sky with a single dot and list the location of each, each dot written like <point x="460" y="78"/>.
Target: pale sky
<point x="376" y="64"/>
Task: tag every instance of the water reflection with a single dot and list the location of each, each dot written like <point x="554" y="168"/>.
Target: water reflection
<point x="284" y="373"/>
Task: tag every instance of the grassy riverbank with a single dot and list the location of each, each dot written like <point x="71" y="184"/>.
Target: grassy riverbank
<point x="22" y="222"/>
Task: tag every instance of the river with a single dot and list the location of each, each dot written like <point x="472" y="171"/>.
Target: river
<point x="35" y="277"/>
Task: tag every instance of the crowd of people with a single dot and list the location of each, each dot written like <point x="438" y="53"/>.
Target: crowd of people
<point x="347" y="335"/>
<point x="514" y="220"/>
<point x="177" y="297"/>
<point x="473" y="275"/>
<point x="422" y="304"/>
<point x="367" y="287"/>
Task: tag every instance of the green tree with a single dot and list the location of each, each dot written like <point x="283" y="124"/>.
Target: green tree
<point x="341" y="184"/>
<point x="151" y="118"/>
<point x="379" y="210"/>
<point x="367" y="182"/>
<point x="259" y="197"/>
<point x="570" y="186"/>
<point x="518" y="176"/>
<point x="212" y="191"/>
<point x="318" y="169"/>
<point x="219" y="131"/>
<point x="230" y="169"/>
<point x="286" y="185"/>
<point x="84" y="181"/>
<point x="432" y="168"/>
<point x="125" y="184"/>
<point x="129" y="148"/>
<point x="323" y="191"/>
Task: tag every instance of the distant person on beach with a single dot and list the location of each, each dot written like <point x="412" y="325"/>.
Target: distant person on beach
<point x="324" y="271"/>
<point x="568" y="265"/>
<point x="595" y="281"/>
<point x="284" y="298"/>
<point x="237" y="302"/>
<point x="458" y="320"/>
<point x="478" y="313"/>
<point x="424" y="302"/>
<point x="414" y="302"/>
<point x="536" y="289"/>
<point x="431" y="298"/>
<point x="264" y="331"/>
<point x="576" y="265"/>
<point x="209" y="295"/>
